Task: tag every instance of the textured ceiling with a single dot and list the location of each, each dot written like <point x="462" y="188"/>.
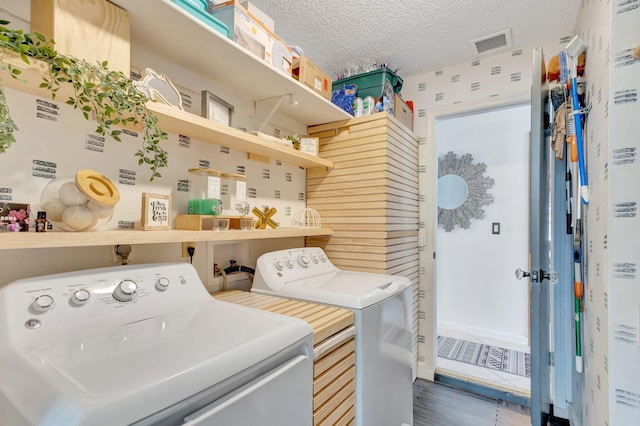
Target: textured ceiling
<point x="412" y="36"/>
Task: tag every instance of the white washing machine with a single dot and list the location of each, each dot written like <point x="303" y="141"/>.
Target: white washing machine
<point x="382" y="308"/>
<point x="147" y="344"/>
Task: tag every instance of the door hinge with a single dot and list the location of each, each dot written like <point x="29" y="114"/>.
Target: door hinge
<point x="552" y="359"/>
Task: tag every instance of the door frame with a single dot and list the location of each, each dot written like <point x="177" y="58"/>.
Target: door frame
<point x="427" y="326"/>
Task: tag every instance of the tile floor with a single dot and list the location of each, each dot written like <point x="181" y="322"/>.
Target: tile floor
<point x="511" y="382"/>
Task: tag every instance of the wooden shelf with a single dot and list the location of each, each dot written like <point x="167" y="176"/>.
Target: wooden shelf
<point x="171" y="119"/>
<point x="184" y="123"/>
<point x="172" y="33"/>
<point x="31" y="240"/>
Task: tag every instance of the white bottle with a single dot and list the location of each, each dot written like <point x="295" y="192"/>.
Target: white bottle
<point x="369" y="105"/>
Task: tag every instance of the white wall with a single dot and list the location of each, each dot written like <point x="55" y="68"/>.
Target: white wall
<point x="477" y="290"/>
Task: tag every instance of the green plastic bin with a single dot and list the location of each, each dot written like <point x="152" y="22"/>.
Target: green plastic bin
<point x="371" y="83"/>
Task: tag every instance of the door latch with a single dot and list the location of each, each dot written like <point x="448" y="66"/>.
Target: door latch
<point x="537" y="276"/>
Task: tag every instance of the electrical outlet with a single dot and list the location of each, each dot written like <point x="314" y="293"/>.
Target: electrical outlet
<point x="185" y="246"/>
<point x="115" y="257"/>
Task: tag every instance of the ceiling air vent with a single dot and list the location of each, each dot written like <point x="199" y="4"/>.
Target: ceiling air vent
<point x="492" y="42"/>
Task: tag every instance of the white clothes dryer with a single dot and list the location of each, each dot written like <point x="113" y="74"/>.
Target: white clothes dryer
<point x="382" y="308"/>
<point x="147" y="345"/>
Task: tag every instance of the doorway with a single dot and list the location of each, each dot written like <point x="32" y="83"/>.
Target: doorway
<point x="482" y="315"/>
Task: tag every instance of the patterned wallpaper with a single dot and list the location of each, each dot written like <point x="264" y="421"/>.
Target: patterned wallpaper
<point x="593" y="29"/>
<point x="54" y="141"/>
<point x="612" y="306"/>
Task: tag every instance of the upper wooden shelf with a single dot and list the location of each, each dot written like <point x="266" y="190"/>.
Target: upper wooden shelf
<point x="177" y="121"/>
<point x="171" y="119"/>
<point x="30" y="240"/>
<point x="170" y="32"/>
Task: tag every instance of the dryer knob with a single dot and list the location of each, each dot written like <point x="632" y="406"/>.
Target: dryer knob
<point x="80" y="297"/>
<point x="162" y="284"/>
<point x="42" y="303"/>
<point x="289" y="263"/>
<point x="314" y="258"/>
<point x="125" y="291"/>
<point x="303" y="261"/>
<point x="323" y="258"/>
<point x="279" y="265"/>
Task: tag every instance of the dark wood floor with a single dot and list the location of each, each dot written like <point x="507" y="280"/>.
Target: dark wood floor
<point x="437" y="404"/>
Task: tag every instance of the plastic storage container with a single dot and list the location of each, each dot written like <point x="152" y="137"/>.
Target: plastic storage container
<point x="198" y="8"/>
<point x="204" y="194"/>
<point x="371" y="83"/>
<point x="234" y="194"/>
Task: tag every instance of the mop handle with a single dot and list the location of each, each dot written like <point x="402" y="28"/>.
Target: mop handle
<point x="577" y="124"/>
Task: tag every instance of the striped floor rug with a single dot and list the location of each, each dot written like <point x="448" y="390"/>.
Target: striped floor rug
<point x="487" y="356"/>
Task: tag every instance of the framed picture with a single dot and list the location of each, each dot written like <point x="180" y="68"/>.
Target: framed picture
<point x="216" y="109"/>
<point x="156" y="212"/>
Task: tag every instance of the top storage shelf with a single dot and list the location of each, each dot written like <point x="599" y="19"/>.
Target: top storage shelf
<point x="172" y="33"/>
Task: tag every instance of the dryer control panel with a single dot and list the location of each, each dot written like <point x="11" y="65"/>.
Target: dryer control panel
<point x="277" y="268"/>
<point x="133" y="292"/>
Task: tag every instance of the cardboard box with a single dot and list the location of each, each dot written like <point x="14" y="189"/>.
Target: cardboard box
<point x="249" y="33"/>
<point x="98" y="31"/>
<point x="402" y="112"/>
<point x="307" y="73"/>
<point x="262" y="17"/>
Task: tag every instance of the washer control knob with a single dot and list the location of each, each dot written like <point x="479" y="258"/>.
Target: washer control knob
<point x="42" y="303"/>
<point x="162" y="283"/>
<point x="125" y="291"/>
<point x="80" y="297"/>
<point x="279" y="265"/>
<point x="303" y="261"/>
<point x="314" y="258"/>
<point x="289" y="263"/>
<point x="323" y="258"/>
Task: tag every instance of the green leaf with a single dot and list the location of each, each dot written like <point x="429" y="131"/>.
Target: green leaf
<point x="109" y="94"/>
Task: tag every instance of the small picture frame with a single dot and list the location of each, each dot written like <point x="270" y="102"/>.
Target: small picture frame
<point x="309" y="144"/>
<point x="156" y="212"/>
<point x="216" y="109"/>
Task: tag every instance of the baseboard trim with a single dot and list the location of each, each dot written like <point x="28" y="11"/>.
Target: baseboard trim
<point x="482" y="389"/>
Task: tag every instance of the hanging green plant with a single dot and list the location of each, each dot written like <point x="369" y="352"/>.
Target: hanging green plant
<point x="109" y="95"/>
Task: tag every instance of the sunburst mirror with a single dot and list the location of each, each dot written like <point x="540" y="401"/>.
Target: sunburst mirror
<point x="462" y="190"/>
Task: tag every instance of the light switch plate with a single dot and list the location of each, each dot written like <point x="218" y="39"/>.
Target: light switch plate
<point x="495" y="228"/>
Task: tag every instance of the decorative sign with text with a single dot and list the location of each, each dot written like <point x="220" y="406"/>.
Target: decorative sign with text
<point x="156" y="210"/>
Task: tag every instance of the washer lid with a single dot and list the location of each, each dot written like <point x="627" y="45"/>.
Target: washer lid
<point x="126" y="372"/>
<point x="355" y="290"/>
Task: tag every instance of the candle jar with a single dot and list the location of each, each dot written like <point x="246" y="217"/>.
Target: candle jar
<point x="234" y="194"/>
<point x="204" y="197"/>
